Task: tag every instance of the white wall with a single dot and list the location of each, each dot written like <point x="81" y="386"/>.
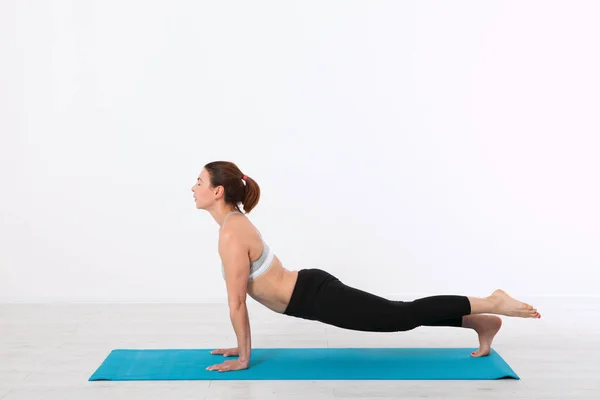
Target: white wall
<point x="406" y="147"/>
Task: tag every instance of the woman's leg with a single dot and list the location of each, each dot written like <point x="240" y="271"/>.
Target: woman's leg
<point x="487" y="326"/>
<point x="321" y="296"/>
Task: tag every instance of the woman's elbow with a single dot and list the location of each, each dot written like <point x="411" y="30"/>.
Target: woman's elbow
<point x="237" y="305"/>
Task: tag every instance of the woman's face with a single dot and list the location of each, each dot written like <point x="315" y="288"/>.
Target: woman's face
<point x="203" y="194"/>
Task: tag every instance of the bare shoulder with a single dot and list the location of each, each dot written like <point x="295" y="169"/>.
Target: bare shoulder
<point x="237" y="232"/>
<point x="238" y="225"/>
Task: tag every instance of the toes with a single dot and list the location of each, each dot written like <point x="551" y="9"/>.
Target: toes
<point x="478" y="353"/>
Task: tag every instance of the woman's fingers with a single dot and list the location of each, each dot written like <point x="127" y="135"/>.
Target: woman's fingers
<point x="226" y="352"/>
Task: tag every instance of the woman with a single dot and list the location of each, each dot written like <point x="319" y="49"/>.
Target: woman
<point x="249" y="266"/>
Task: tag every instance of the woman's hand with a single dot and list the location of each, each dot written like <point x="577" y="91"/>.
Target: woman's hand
<point x="227" y="352"/>
<point x="229" y="365"/>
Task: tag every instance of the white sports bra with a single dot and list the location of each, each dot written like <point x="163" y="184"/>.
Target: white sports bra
<point x="259" y="266"/>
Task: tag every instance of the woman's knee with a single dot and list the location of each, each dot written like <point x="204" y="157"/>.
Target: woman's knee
<point x="408" y="316"/>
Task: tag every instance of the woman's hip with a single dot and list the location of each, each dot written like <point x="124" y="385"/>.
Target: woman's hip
<point x="309" y="284"/>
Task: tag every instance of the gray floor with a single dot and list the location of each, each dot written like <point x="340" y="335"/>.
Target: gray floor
<point x="49" y="352"/>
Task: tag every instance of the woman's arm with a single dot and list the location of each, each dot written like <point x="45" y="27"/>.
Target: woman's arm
<point x="236" y="265"/>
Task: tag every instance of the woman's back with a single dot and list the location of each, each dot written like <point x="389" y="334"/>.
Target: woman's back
<point x="270" y="283"/>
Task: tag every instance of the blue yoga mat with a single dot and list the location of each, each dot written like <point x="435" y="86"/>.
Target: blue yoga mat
<point x="306" y="364"/>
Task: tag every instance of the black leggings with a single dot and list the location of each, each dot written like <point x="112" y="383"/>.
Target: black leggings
<point x="320" y="296"/>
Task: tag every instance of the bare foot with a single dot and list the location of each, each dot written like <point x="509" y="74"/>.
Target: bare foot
<point x="506" y="305"/>
<point x="486" y="326"/>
